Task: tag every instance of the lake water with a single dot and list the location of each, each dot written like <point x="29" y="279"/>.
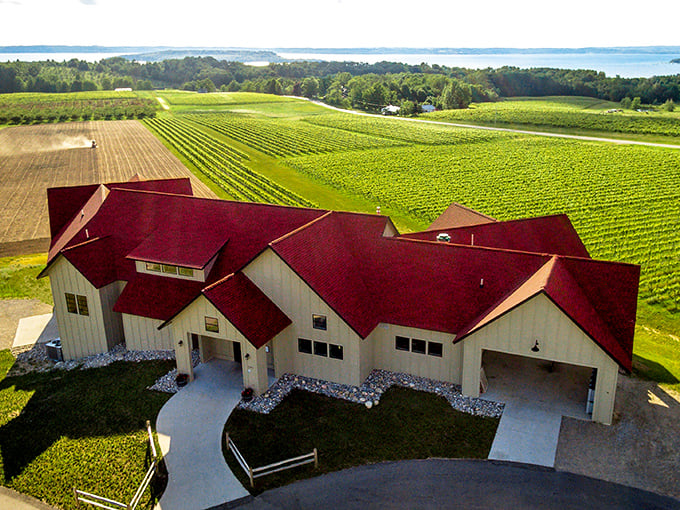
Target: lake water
<point x="627" y="65"/>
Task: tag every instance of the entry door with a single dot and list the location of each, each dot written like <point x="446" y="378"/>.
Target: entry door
<point x="237" y="352"/>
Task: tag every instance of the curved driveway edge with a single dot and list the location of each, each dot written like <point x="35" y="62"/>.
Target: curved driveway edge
<point x="439" y="483"/>
<point x="189" y="428"/>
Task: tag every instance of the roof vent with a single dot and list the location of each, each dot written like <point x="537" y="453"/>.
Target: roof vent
<point x="472" y="240"/>
<point x="443" y="238"/>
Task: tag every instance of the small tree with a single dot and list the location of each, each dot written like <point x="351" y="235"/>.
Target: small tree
<point x="669" y="105"/>
<point x="635" y="104"/>
<point x="625" y="103"/>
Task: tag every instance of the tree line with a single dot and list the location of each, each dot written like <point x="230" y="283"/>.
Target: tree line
<point x="349" y="84"/>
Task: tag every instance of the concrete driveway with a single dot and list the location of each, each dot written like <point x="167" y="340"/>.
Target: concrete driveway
<point x="190" y="429"/>
<point x="535" y="399"/>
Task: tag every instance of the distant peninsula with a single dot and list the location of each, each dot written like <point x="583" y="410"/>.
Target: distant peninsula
<point x="675" y="61"/>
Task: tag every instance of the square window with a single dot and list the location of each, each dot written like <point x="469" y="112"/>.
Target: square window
<point x="169" y="269"/>
<point x="401" y="343"/>
<point x="304" y="345"/>
<point x="185" y="271"/>
<point x="321" y="348"/>
<point x="71" y="303"/>
<point x="212" y="324"/>
<point x="335" y="351"/>
<point x="82" y="305"/>
<point x="152" y="266"/>
<point x="319" y="321"/>
<point x="418" y="346"/>
<point x="434" y="349"/>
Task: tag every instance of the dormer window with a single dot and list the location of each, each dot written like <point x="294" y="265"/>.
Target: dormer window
<point x="169" y="269"/>
<point x="185" y="271"/>
<point x="151" y="266"/>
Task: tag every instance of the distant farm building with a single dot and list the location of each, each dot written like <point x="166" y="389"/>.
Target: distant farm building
<point x="390" y="110"/>
<point x="427" y="108"/>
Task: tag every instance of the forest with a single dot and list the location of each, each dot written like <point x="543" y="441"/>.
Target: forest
<point x="346" y="84"/>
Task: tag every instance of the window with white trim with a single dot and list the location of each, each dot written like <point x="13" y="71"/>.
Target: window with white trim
<point x="418" y="346"/>
<point x="77" y="304"/>
<point x="212" y="324"/>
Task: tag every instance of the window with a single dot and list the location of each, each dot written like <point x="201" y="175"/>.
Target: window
<point x="434" y="349"/>
<point x="71" y="303"/>
<point x="418" y="346"/>
<point x="185" y="271"/>
<point x="211" y="324"/>
<point x="152" y="266"/>
<point x="304" y="345"/>
<point x="77" y="304"/>
<point x="319" y="321"/>
<point x="401" y="343"/>
<point x="321" y="348"/>
<point x="169" y="269"/>
<point x="82" y="305"/>
<point x="335" y="351"/>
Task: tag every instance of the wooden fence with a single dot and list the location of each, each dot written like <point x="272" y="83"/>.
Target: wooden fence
<point x="271" y="468"/>
<point x="111" y="504"/>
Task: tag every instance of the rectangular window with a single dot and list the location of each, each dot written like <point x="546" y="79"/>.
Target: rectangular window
<point x="212" y="325"/>
<point x="319" y="321"/>
<point x="152" y="266"/>
<point x="418" y="346"/>
<point x="71" y="303"/>
<point x="82" y="305"/>
<point x="434" y="349"/>
<point x="185" y="271"/>
<point x="321" y="348"/>
<point x="335" y="351"/>
<point x="304" y="345"/>
<point x="169" y="269"/>
<point x="401" y="343"/>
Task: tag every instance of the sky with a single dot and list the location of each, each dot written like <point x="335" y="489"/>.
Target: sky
<point x="339" y="23"/>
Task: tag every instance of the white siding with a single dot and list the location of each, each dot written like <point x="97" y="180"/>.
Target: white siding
<point x="386" y="356"/>
<point x="298" y="301"/>
<point x="559" y="339"/>
<point x="142" y="334"/>
<point x="80" y="335"/>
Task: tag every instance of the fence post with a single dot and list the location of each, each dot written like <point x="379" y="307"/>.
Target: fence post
<point x="316" y="459"/>
<point x="250" y="475"/>
<point x="75" y="495"/>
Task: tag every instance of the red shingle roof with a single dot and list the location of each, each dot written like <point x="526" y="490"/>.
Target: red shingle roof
<point x="547" y="234"/>
<point x="457" y="215"/>
<point x="366" y="278"/>
<point x="247" y="308"/>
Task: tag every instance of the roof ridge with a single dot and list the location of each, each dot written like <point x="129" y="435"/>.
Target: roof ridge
<point x="300" y="228"/>
<point x="218" y="282"/>
<point x="495" y="222"/>
<point x="85" y="242"/>
<point x="474" y="247"/>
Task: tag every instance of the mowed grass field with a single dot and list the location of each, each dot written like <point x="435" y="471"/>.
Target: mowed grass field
<point x="34" y="158"/>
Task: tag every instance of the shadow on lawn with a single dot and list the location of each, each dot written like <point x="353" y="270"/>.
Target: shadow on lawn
<point x="80" y="403"/>
<point x="653" y="371"/>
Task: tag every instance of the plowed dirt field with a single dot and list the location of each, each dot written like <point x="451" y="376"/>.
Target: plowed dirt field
<point x="34" y="158"/>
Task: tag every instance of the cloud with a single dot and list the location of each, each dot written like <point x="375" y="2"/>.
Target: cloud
<point x="13" y="2"/>
<point x="88" y="2"/>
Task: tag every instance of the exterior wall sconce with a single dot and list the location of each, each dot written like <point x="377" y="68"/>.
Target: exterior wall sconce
<point x="535" y="347"/>
<point x="180" y="343"/>
<point x="247" y="356"/>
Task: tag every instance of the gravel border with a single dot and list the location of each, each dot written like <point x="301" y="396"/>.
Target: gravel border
<point x="370" y="391"/>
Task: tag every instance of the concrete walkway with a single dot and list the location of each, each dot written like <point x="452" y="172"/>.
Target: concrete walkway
<point x="190" y="429"/>
<point x="37" y="329"/>
<point x="10" y="499"/>
<point x="535" y="401"/>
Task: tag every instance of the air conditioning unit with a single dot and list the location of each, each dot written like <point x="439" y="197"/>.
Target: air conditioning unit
<point x="53" y="348"/>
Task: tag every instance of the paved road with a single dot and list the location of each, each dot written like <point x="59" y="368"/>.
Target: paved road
<point x="507" y="130"/>
<point x="438" y="484"/>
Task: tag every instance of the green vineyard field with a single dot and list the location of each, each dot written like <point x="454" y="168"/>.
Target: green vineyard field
<point x="223" y="164"/>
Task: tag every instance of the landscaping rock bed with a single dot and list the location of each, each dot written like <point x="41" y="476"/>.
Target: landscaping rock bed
<point x="370" y="391"/>
<point x="36" y="360"/>
<point x="168" y="383"/>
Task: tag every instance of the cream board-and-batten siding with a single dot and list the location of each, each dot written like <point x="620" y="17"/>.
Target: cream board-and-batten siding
<point x="299" y="302"/>
<point x="87" y="334"/>
<point x="191" y="320"/>
<point x="559" y="339"/>
<point x="142" y="334"/>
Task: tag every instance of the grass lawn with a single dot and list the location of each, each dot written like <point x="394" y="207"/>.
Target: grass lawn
<point x="83" y="428"/>
<point x="407" y="424"/>
<point x="18" y="278"/>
